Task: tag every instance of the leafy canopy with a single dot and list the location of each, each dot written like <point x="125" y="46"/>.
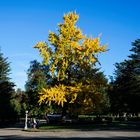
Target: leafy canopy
<point x="66" y="48"/>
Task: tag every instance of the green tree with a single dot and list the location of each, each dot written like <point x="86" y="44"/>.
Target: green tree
<point x="38" y="78"/>
<point x="20" y="102"/>
<point x="4" y="69"/>
<point x="6" y="91"/>
<point x="125" y="95"/>
<point x="93" y="99"/>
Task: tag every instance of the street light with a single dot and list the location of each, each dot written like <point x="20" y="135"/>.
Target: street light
<point x="26" y="120"/>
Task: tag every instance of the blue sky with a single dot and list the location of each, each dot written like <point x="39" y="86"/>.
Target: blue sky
<point x="23" y="23"/>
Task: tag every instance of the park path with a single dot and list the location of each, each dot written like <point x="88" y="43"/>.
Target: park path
<point x="18" y="134"/>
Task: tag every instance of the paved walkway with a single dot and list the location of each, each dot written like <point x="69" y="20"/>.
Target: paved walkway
<point x="19" y="134"/>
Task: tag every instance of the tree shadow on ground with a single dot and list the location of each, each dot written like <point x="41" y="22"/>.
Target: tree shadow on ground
<point x="119" y="126"/>
<point x="135" y="126"/>
<point x="14" y="137"/>
<point x="12" y="125"/>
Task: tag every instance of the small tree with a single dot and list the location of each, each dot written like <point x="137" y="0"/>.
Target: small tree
<point x="20" y="102"/>
<point x="66" y="49"/>
<point x="38" y="78"/>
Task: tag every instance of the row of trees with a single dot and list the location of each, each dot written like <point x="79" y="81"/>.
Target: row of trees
<point x="68" y="81"/>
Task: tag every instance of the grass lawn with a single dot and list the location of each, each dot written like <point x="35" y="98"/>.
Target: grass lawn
<point x="103" y="126"/>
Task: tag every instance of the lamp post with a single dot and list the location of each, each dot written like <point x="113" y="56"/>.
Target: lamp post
<point x="26" y="120"/>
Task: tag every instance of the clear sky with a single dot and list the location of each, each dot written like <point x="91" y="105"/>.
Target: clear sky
<point x="23" y="23"/>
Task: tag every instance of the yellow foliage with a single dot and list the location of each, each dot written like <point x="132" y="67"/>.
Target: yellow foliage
<point x="68" y="46"/>
<point x="71" y="45"/>
<point x="44" y="51"/>
<point x="59" y="94"/>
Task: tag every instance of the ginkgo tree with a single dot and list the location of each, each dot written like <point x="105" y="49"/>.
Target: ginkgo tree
<point x="64" y="50"/>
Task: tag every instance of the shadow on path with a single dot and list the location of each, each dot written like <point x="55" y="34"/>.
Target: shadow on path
<point x="74" y="138"/>
<point x="129" y="126"/>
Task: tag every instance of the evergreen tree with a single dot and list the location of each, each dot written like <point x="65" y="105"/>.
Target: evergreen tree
<point x="38" y="78"/>
<point x="125" y="95"/>
<point x="4" y="68"/>
<point x="6" y="91"/>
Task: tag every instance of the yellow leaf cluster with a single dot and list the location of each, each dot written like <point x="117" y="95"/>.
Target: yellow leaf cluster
<point x="44" y="51"/>
<point x="59" y="94"/>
